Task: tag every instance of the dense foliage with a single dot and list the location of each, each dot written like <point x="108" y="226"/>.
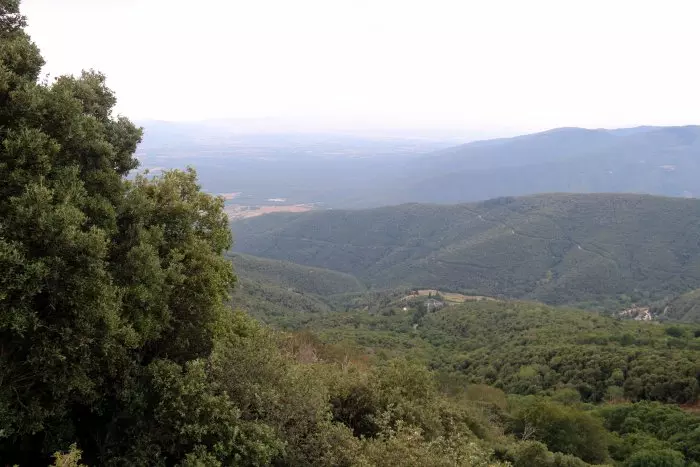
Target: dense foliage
<point x="607" y="250"/>
<point x="294" y="277"/>
<point x="684" y="308"/>
<point x="109" y="288"/>
<point x="529" y="348"/>
<point x="582" y="383"/>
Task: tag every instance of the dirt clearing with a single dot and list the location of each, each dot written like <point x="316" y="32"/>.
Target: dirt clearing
<point x="240" y="211"/>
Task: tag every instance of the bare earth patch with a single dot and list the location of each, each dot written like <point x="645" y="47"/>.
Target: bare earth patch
<point x="451" y="297"/>
<point x="240" y="211"/>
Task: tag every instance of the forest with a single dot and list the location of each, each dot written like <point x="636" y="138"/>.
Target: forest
<point x="127" y="337"/>
<point x="599" y="251"/>
<point x="625" y="391"/>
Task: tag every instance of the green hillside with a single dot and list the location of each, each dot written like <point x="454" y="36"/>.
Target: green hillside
<point x="685" y="308"/>
<point x="604" y="249"/>
<point x="300" y="278"/>
<point x="267" y="302"/>
<point x="271" y="290"/>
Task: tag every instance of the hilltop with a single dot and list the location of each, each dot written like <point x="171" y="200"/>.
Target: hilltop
<point x="611" y="249"/>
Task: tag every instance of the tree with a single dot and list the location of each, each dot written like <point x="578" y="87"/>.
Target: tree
<point x="108" y="287"/>
<point x="562" y="428"/>
<point x="661" y="458"/>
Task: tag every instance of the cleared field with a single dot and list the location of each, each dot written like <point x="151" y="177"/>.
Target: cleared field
<point x="240" y="211"/>
<point x="453" y="297"/>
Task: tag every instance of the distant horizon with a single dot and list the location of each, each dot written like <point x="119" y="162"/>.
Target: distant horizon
<point x="306" y="126"/>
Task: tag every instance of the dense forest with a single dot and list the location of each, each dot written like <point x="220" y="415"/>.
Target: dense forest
<point x="626" y="391"/>
<point x="684" y="308"/>
<point x="529" y="348"/>
<point x="126" y="338"/>
<point x="594" y="250"/>
<point x="295" y="277"/>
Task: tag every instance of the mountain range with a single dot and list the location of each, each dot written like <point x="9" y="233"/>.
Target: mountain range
<point x="654" y="160"/>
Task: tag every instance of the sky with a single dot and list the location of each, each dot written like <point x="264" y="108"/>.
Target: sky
<point x="517" y="64"/>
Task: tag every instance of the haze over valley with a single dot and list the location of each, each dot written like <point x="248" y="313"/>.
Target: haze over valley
<point x="336" y="170"/>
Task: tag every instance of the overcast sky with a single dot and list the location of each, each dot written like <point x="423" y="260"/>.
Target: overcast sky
<point x="485" y="63"/>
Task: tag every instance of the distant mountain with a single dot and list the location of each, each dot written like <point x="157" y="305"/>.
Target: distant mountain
<point x="654" y="160"/>
<point x="560" y="248"/>
<point x="340" y="170"/>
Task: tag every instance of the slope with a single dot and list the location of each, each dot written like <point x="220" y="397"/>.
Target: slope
<point x="557" y="248"/>
<point x="272" y="291"/>
<point x="685" y="307"/>
<point x="300" y="278"/>
<point x="654" y="160"/>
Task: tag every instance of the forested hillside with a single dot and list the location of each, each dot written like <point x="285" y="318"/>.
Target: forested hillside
<point x="685" y="307"/>
<point x="295" y="277"/>
<point x="270" y="290"/>
<point x="530" y="348"/>
<point x="559" y="248"/>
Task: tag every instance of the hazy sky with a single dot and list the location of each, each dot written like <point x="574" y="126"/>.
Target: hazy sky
<point x="465" y="63"/>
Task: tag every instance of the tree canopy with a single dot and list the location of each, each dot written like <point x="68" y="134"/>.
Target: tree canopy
<point x="108" y="285"/>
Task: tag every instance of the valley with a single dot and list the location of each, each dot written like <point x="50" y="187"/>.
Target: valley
<point x="563" y="312"/>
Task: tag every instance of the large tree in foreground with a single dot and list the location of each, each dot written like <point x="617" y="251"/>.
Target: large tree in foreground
<point x="108" y="288"/>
